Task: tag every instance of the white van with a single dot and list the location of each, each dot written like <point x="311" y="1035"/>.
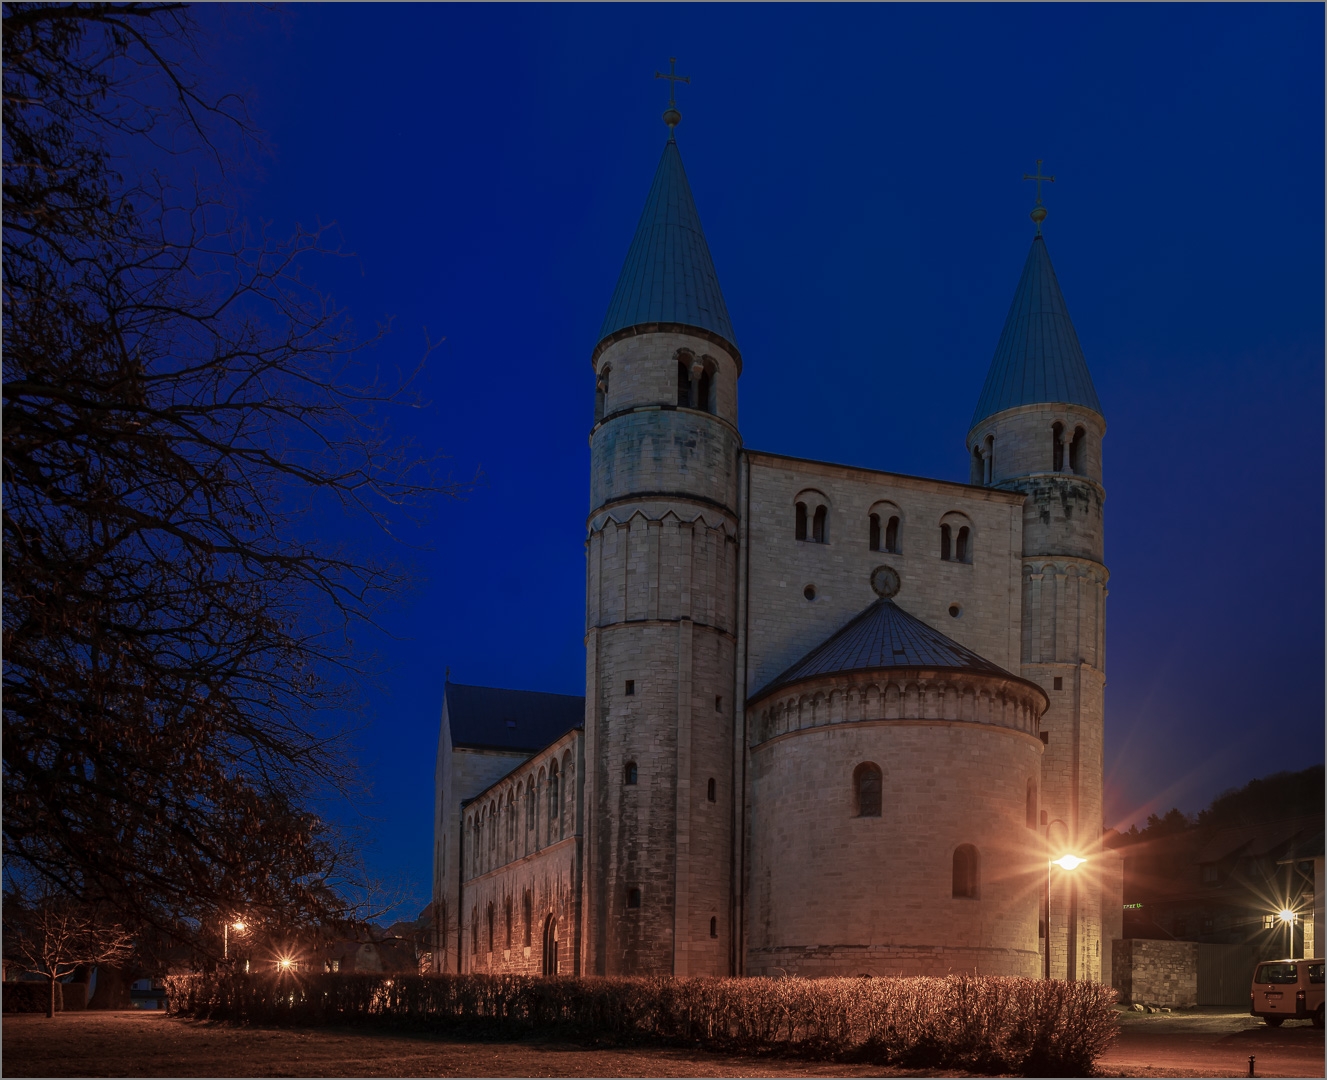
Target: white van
<point x="1287" y="990"/>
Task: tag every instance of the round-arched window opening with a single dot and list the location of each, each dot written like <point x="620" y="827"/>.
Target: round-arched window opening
<point x="955" y="610"/>
<point x="809" y="592"/>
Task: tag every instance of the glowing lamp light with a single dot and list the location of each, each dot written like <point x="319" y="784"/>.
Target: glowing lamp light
<point x="1069" y="862"/>
<point x="1286" y="915"/>
<point x="285" y="963"/>
<point x="237" y="926"/>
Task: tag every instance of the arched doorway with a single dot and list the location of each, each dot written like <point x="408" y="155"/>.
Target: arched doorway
<point x="551" y="945"/>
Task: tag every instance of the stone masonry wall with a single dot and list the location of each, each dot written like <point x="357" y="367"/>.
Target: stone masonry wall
<point x="522" y="856"/>
<point x="784" y="625"/>
<point x="661" y="586"/>
<point x="836" y="894"/>
<point x="1161" y="973"/>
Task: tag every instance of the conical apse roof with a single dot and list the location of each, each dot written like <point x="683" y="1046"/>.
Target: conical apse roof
<point x="881" y="637"/>
<point x="1038" y="359"/>
<point x="669" y="276"/>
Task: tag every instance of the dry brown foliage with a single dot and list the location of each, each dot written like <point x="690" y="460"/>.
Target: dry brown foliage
<point x="973" y="1022"/>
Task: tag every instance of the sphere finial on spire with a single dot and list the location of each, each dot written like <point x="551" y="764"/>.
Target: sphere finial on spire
<point x="1038" y="214"/>
<point x="671" y="116"/>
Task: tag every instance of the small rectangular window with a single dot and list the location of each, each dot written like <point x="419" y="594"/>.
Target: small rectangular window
<point x="709" y="790"/>
<point x="631" y="687"/>
<point x="718" y="704"/>
<point x="1209" y="874"/>
<point x="1059" y="683"/>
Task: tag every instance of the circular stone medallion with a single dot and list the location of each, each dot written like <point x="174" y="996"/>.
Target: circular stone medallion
<point x="885" y="581"/>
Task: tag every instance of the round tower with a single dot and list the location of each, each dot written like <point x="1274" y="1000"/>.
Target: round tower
<point x="661" y="587"/>
<point x="1038" y="429"/>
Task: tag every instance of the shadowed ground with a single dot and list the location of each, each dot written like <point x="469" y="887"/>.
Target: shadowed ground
<point x="1199" y="1042"/>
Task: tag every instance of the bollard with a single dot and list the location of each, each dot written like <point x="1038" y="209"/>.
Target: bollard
<point x="1250" y="1064"/>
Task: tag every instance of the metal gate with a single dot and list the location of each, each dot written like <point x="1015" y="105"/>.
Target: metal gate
<point x="1224" y="974"/>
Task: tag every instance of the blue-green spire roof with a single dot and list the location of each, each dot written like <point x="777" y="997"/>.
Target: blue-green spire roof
<point x="669" y="276"/>
<point x="1038" y="359"/>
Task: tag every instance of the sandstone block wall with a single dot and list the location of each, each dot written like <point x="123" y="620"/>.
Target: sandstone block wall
<point x="521" y="861"/>
<point x="661" y="587"/>
<point x="460" y="773"/>
<point x="1023" y="441"/>
<point x="784" y="625"/>
<point x="1161" y="973"/>
<point x="832" y="893"/>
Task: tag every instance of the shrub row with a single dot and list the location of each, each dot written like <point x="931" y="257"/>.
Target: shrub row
<point x="27" y="997"/>
<point x="972" y="1022"/>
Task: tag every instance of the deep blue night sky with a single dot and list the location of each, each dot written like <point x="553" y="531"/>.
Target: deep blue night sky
<point x="858" y="172"/>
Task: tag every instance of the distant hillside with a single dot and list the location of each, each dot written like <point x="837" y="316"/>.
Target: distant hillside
<point x="1269" y="798"/>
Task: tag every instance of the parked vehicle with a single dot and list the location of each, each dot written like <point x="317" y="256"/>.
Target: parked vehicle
<point x="1287" y="990"/>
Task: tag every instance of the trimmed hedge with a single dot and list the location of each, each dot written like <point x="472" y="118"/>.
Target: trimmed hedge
<point x="30" y="996"/>
<point x="978" y="1023"/>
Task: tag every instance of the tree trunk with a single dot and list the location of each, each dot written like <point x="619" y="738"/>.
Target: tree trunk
<point x="50" y="1009"/>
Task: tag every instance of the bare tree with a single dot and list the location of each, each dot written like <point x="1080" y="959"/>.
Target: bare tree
<point x="186" y="421"/>
<point x="54" y="936"/>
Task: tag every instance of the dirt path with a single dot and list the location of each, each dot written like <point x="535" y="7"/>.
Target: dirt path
<point x="1212" y="1042"/>
<point x="152" y="1044"/>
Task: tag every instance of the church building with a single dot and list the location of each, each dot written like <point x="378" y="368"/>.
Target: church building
<point x="837" y="721"/>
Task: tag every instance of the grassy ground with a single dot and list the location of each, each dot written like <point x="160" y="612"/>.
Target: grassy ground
<point x="1199" y="1042"/>
<point x="152" y="1044"/>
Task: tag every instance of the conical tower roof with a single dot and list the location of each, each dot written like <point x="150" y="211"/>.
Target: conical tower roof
<point x="669" y="276"/>
<point x="1038" y="359"/>
<point x="883" y="637"/>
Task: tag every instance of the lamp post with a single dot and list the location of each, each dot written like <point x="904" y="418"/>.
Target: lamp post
<point x="225" y="937"/>
<point x="1064" y="862"/>
<point x="1288" y="917"/>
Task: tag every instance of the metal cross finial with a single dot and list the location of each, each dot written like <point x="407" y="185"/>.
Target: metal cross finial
<point x="1038" y="211"/>
<point x="671" y="116"/>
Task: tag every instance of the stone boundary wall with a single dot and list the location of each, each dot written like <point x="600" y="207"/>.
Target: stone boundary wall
<point x="1152" y="972"/>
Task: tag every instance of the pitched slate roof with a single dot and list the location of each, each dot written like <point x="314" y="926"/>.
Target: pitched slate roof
<point x="1038" y="358"/>
<point x="527" y="720"/>
<point x="885" y="636"/>
<point x="669" y="276"/>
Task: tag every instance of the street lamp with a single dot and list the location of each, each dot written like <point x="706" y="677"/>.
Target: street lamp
<point x="226" y="928"/>
<point x="1288" y="917"/>
<point x="1067" y="861"/>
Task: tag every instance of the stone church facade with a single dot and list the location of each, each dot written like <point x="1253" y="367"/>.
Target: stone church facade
<point x="837" y="721"/>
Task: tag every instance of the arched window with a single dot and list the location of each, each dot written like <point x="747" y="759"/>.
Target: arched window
<point x="550" y="946"/>
<point x="704" y="391"/>
<point x="818" y="525"/>
<point x="966" y="881"/>
<point x="507" y="912"/>
<point x="529" y="917"/>
<point x="961" y="552"/>
<point x="629" y="773"/>
<point x="511" y="818"/>
<point x="1031" y="820"/>
<point x="891" y="535"/>
<point x="714" y="926"/>
<point x="875" y="533"/>
<point x="490" y="926"/>
<point x="474" y="932"/>
<point x="1057" y="447"/>
<point x="491" y="823"/>
<point x="1077" y="455"/>
<point x="709" y="790"/>
<point x="442" y="932"/>
<point x="978" y="471"/>
<point x="529" y="804"/>
<point x="553" y="790"/>
<point x="684" y="383"/>
<point x="601" y="392"/>
<point x="990" y="459"/>
<point x="866" y="785"/>
<point x="801" y="521"/>
<point x="944" y="542"/>
<point x="633" y="898"/>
